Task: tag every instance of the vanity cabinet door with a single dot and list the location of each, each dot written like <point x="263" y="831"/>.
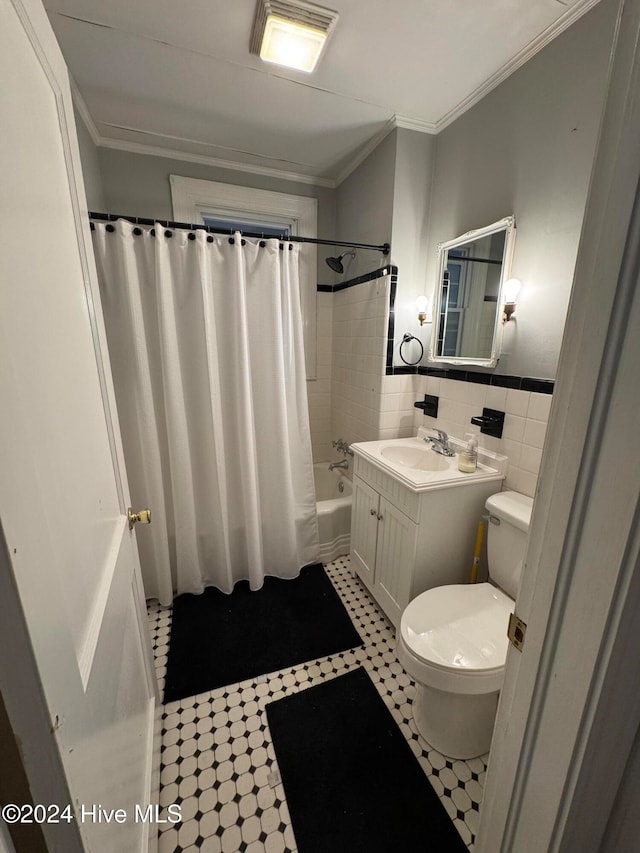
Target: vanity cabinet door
<point x="395" y="560"/>
<point x="364" y="529"/>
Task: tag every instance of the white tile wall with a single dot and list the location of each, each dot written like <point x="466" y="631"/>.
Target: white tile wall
<point x="319" y="389"/>
<point x="359" y="343"/>
<point x="398" y="394"/>
<point x="524" y="427"/>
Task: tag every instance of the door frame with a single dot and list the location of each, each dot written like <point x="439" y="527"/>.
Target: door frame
<point x="554" y="768"/>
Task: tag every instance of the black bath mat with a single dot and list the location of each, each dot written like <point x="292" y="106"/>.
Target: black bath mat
<point x="218" y="639"/>
<point x="351" y="781"/>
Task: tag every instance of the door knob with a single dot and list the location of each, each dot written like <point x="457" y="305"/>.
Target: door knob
<point x="143" y="516"/>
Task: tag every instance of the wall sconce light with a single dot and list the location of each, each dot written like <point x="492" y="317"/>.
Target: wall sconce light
<point x="421" y="305"/>
<point x="510" y="291"/>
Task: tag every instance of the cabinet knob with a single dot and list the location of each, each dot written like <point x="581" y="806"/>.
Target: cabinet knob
<point x="372" y="512"/>
<point x="379" y="517"/>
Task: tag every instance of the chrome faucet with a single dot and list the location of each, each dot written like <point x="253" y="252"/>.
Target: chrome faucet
<point x="342" y="447"/>
<point x="441" y="443"/>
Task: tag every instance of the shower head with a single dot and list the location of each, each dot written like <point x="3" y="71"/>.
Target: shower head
<point x="336" y="263"/>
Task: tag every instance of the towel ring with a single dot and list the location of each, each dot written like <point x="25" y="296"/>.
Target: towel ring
<point x="405" y="340"/>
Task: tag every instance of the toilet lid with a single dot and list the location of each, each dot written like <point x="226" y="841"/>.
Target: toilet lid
<point x="462" y="626"/>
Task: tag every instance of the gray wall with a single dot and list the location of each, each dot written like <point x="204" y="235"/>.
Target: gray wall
<point x="364" y="206"/>
<point x="138" y="185"/>
<point x="623" y="828"/>
<point x="90" y="166"/>
<point x="527" y="149"/>
<point x="415" y="161"/>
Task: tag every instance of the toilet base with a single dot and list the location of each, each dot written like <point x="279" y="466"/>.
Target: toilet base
<point x="457" y="725"/>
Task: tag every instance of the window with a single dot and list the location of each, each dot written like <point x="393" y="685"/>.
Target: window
<point x="257" y="210"/>
<point x="236" y="225"/>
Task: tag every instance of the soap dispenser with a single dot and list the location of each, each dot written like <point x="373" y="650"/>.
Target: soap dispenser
<point x="468" y="458"/>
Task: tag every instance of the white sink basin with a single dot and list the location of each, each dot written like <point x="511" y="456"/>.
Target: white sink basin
<point x="419" y="458"/>
<point x="412" y="462"/>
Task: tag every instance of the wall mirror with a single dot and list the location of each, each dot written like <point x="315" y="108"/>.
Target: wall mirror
<point x="467" y="307"/>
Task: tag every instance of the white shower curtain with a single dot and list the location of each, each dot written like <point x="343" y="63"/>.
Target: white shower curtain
<point x="205" y="343"/>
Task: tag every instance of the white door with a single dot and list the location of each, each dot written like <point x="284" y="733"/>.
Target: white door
<point x="78" y="681"/>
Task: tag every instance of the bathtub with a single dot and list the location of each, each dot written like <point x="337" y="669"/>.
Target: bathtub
<point x="333" y="501"/>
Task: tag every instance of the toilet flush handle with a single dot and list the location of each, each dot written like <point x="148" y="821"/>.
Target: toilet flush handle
<point x="492" y="518"/>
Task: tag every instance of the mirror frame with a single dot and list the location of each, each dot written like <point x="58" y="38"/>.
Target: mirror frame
<point x="507" y="224"/>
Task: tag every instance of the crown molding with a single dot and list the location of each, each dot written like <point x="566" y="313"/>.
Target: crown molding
<point x="187" y="157"/>
<point x="83" y="111"/>
<point x="220" y="163"/>
<point x="395" y="121"/>
<point x="417" y="124"/>
<point x="364" y="152"/>
<point x="572" y="14"/>
<point x="217" y="162"/>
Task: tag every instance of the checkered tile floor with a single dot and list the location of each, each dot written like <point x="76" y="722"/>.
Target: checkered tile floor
<point x="218" y="761"/>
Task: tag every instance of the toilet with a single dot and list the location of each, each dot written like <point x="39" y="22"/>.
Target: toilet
<point x="453" y="639"/>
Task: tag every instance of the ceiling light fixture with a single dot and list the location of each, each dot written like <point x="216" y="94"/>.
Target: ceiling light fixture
<point x="292" y="34"/>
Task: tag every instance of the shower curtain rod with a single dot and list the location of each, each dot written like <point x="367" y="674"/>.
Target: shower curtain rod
<point x="166" y="223"/>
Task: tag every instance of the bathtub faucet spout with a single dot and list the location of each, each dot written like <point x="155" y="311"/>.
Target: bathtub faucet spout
<point x="342" y="464"/>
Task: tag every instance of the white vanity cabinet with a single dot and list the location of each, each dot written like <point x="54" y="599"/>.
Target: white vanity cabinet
<point x="406" y="540"/>
<point x="382" y="538"/>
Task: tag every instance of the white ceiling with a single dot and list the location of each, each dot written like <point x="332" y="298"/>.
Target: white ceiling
<point x="178" y="78"/>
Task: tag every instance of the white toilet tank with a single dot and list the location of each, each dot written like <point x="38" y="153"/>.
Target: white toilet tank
<point x="508" y="529"/>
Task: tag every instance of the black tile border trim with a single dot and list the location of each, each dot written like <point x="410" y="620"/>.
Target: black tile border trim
<point x="360" y="279"/>
<point x="537" y="386"/>
<point x="393" y="288"/>
<point x="520" y="383"/>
